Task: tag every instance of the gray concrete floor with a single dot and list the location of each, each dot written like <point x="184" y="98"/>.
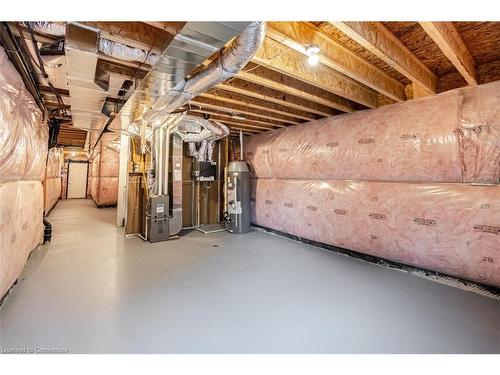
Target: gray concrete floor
<point x="93" y="291"/>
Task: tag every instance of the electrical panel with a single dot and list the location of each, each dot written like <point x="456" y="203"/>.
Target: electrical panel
<point x="204" y="170"/>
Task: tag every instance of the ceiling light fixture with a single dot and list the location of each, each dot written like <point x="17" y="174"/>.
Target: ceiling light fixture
<point x="312" y="51"/>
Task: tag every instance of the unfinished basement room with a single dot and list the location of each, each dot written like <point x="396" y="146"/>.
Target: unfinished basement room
<point x="250" y="187"/>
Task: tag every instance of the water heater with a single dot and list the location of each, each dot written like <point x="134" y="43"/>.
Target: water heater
<point x="238" y="197"/>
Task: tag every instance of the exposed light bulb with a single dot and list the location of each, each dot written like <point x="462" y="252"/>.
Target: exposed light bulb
<point x="312" y="49"/>
<point x="313" y="60"/>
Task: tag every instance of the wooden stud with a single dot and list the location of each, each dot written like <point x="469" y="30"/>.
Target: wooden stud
<point x="377" y="39"/>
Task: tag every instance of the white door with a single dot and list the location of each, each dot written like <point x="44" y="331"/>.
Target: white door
<point x="77" y="180"/>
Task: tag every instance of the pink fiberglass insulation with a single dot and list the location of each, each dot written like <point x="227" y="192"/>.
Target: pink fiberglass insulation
<point x="52" y="180"/>
<point x="23" y="152"/>
<point x="21" y="227"/>
<point x="450" y="228"/>
<point x="104" y="172"/>
<point x="108" y="191"/>
<point x="452" y="137"/>
<point x="23" y="136"/>
<point x="94" y="178"/>
<point x="51" y="193"/>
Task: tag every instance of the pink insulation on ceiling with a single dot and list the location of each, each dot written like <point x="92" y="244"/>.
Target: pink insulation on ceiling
<point x="104" y="171"/>
<point x="23" y="152"/>
<point x="453" y="137"/>
<point x="52" y="180"/>
<point x="451" y="228"/>
<point x="393" y="182"/>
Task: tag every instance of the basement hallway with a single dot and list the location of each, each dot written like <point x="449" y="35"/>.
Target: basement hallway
<point x="92" y="290"/>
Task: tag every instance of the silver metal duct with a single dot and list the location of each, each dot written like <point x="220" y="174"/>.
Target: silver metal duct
<point x="50" y="28"/>
<point x="194" y="43"/>
<point x="106" y="46"/>
<point x="123" y="52"/>
<point x="87" y="97"/>
<point x="231" y="61"/>
<point x="195" y="130"/>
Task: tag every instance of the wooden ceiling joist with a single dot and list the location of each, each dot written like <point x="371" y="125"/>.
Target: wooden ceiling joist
<point x="234" y="125"/>
<point x="231" y="123"/>
<point x="276" y="81"/>
<point x="446" y="36"/>
<point x="277" y="97"/>
<point x="283" y="59"/>
<point x="377" y="39"/>
<point x="236" y="132"/>
<point x="249" y="122"/>
<point x="231" y="98"/>
<point x="298" y="35"/>
<point x="238" y="109"/>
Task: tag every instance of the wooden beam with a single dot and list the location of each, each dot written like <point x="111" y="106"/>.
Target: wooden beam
<point x="236" y="125"/>
<point x="232" y="108"/>
<point x="273" y="96"/>
<point x="233" y="124"/>
<point x="298" y="35"/>
<point x="446" y="36"/>
<point x="235" y="132"/>
<point x="277" y="81"/>
<point x="377" y="39"/>
<point x="285" y="60"/>
<point x="418" y="90"/>
<point x="231" y="99"/>
<point x="251" y="123"/>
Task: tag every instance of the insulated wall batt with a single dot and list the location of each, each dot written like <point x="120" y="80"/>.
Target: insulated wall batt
<point x="451" y="228"/>
<point x="21" y="227"/>
<point x="394" y="182"/>
<point x="52" y="180"/>
<point x="23" y="153"/>
<point x="452" y="137"/>
<point x="104" y="172"/>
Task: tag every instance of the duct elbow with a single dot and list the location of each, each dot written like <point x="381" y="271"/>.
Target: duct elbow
<point x="244" y="47"/>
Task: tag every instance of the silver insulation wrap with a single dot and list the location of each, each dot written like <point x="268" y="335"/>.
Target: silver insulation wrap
<point x="50" y="28"/>
<point x="123" y="52"/>
<point x="232" y="60"/>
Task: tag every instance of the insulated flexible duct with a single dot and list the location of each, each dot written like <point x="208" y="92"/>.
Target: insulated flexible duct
<point x="211" y="132"/>
<point x="231" y="61"/>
